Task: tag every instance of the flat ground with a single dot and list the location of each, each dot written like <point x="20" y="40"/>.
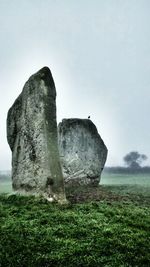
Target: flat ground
<point x="113" y="187"/>
<point x="105" y="226"/>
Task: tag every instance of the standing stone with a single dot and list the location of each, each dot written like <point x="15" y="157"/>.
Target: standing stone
<point x="82" y="151"/>
<point x="32" y="137"/>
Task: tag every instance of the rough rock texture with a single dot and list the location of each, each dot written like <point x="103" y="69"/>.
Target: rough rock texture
<point x="82" y="151"/>
<point x="32" y="136"/>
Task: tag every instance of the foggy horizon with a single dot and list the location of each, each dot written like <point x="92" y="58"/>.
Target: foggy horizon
<point x="99" y="56"/>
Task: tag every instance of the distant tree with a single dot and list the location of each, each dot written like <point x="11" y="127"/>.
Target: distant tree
<point x="134" y="159"/>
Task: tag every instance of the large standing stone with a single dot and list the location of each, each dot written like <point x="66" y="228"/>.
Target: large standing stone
<point x="82" y="151"/>
<point x="32" y="136"/>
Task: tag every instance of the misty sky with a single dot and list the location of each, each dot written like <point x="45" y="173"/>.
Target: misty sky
<point x="99" y="55"/>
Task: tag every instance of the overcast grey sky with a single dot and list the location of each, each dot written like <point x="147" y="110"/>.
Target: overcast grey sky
<point x="99" y="55"/>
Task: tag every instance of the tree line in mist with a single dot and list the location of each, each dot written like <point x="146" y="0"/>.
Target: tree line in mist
<point x="133" y="164"/>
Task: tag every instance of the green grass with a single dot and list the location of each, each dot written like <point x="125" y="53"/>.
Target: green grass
<point x="108" y="226"/>
<point x="137" y="186"/>
<point x="36" y="233"/>
<point x="125" y="179"/>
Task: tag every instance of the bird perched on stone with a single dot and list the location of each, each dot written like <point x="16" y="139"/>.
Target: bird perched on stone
<point x="88" y="117"/>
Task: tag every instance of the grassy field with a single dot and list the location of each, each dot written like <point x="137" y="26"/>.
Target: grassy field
<point x="106" y="226"/>
<point x="126" y="179"/>
<point x="118" y="181"/>
<point x="5" y="187"/>
<point x="132" y="185"/>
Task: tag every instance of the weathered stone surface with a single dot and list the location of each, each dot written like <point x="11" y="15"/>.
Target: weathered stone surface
<point x="82" y="151"/>
<point x="32" y="136"/>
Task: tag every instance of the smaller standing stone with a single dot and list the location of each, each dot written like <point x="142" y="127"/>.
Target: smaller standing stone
<point x="82" y="151"/>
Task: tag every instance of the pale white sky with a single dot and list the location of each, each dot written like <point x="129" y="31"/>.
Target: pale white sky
<point x="99" y="55"/>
